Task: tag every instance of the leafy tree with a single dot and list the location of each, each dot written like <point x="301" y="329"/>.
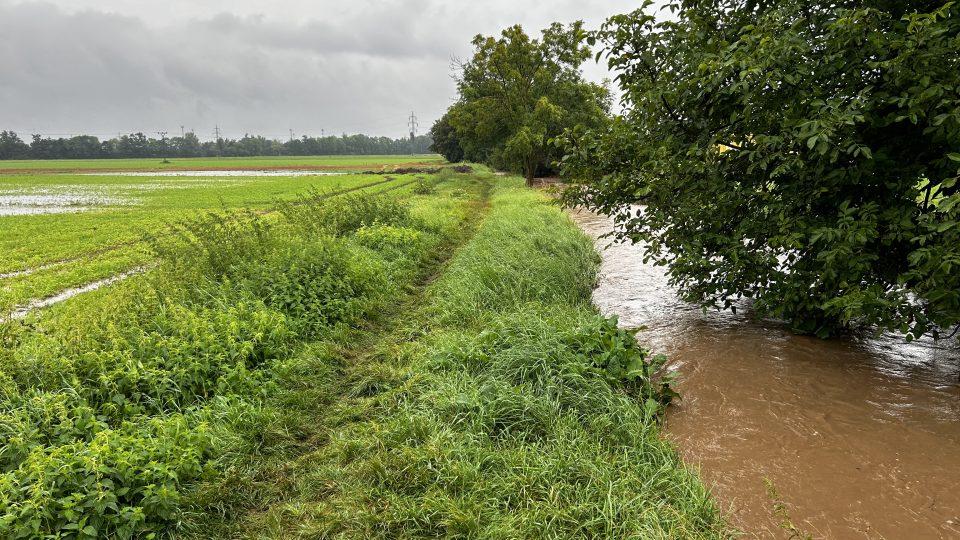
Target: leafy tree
<point x="445" y="140"/>
<point x="83" y="147"/>
<point x="802" y="153"/>
<point x="186" y="146"/>
<point x="133" y="146"/>
<point x="518" y="93"/>
<point x="12" y="146"/>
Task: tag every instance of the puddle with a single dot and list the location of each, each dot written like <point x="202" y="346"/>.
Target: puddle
<point x="860" y="437"/>
<point x="38" y="210"/>
<point x="21" y="312"/>
<point x="49" y="201"/>
<point x="25" y="272"/>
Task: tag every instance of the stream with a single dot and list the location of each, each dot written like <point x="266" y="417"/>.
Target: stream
<point x="850" y="438"/>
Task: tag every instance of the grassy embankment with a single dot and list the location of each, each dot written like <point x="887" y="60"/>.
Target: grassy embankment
<point x="501" y="407"/>
<point x="42" y="255"/>
<point x="304" y="376"/>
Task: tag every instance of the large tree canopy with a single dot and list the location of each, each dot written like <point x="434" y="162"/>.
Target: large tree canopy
<point x="802" y="153"/>
<point x="516" y="95"/>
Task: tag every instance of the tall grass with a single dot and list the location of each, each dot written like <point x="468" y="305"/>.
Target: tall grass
<point x="493" y="413"/>
<point x="299" y="375"/>
<point x="111" y="412"/>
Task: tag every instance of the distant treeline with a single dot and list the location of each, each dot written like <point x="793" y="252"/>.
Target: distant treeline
<point x="138" y="145"/>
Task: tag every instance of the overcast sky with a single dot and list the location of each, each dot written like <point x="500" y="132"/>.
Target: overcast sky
<point x="103" y="67"/>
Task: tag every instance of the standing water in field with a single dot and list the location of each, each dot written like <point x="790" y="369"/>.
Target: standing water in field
<point x="844" y="439"/>
<point x="217" y="173"/>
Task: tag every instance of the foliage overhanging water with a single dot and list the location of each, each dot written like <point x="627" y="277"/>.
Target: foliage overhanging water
<point x="859" y="437"/>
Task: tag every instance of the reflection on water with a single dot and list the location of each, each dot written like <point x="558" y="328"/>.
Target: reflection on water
<point x="860" y="437"/>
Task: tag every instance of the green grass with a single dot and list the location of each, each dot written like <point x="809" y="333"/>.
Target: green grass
<point x="114" y="403"/>
<point x="420" y="364"/>
<point x="479" y="415"/>
<point x="90" y="245"/>
<point x="322" y="162"/>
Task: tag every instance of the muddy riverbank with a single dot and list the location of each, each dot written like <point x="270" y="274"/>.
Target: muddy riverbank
<point x="859" y="438"/>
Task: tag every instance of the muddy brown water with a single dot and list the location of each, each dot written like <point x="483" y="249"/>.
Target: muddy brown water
<point x="860" y="437"/>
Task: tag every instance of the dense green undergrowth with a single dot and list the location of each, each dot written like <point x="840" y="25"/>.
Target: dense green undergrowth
<point x="304" y="375"/>
<point x="503" y="407"/>
<point x="115" y="408"/>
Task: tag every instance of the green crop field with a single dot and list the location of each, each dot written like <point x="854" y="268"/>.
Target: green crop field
<point x="63" y="230"/>
<point x="316" y="162"/>
<point x="360" y="356"/>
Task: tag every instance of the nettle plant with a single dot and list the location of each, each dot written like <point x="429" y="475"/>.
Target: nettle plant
<point x="616" y="353"/>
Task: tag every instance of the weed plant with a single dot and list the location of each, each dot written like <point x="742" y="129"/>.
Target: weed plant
<point x="110" y="413"/>
<point x="284" y="376"/>
<point x="506" y="407"/>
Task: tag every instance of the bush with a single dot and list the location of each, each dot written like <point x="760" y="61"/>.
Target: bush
<point x="317" y="284"/>
<point x="120" y="484"/>
<point x="316" y="213"/>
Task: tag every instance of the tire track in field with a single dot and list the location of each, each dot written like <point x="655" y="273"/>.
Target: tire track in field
<point x="22" y="311"/>
<point x="114" y="247"/>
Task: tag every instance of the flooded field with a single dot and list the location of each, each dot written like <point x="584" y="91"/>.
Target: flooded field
<point x="217" y="173"/>
<point x="26" y="200"/>
<point x="52" y="201"/>
<point x="855" y="438"/>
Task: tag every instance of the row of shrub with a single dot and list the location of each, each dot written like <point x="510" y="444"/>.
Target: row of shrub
<point x="113" y="407"/>
<point x="506" y="407"/>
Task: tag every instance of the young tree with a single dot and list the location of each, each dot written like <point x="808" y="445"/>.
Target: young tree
<point x="518" y="93"/>
<point x="445" y="140"/>
<point x="803" y="153"/>
<point x="12" y="146"/>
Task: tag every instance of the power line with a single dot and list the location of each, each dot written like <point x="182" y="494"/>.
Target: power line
<point x="412" y="122"/>
<point x="216" y="132"/>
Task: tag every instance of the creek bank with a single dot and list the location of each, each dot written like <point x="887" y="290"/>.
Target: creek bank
<point x="485" y="415"/>
<point x="858" y="437"/>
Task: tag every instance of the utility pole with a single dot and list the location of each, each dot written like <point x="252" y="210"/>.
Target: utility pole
<point x="412" y="122"/>
<point x="163" y="146"/>
<point x="216" y="132"/>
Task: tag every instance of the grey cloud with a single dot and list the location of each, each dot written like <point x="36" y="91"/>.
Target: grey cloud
<point x="103" y="66"/>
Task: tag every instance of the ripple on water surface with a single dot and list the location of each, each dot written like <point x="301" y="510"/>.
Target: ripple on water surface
<point x="860" y="437"/>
